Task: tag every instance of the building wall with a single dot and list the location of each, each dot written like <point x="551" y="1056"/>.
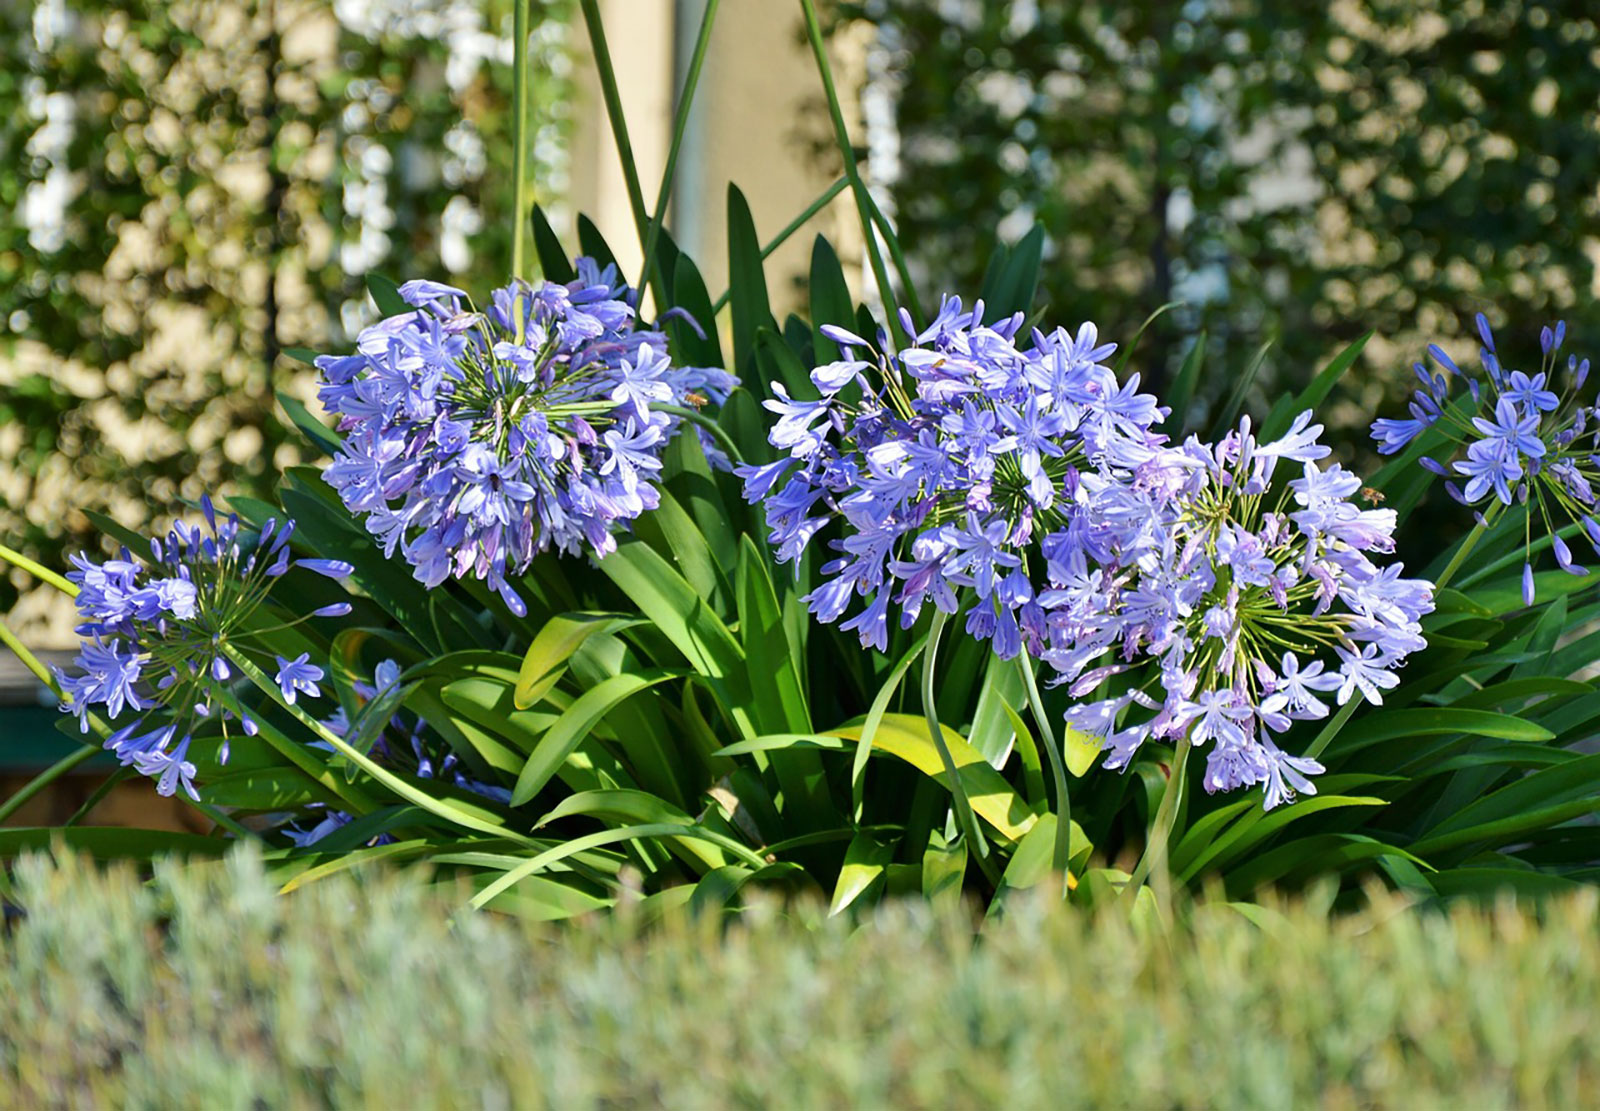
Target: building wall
<point x="757" y="112"/>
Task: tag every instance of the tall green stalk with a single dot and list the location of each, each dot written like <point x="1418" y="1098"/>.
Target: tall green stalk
<point x="1155" y="850"/>
<point x="1061" y="853"/>
<point x="619" y="124"/>
<point x="858" y="187"/>
<point x="38" y="571"/>
<point x="651" y="271"/>
<point x="520" y="185"/>
<point x="958" y="791"/>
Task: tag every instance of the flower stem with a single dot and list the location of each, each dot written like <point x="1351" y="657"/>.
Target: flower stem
<point x="449" y="811"/>
<point x="324" y="776"/>
<point x="1467" y="545"/>
<point x="619" y="124"/>
<point x="652" y="270"/>
<point x="1062" y="852"/>
<point x="39" y="782"/>
<point x="709" y="424"/>
<point x="38" y="571"/>
<point x="521" y="187"/>
<point x="1155" y="850"/>
<point x="958" y="792"/>
<point x="29" y="660"/>
<point x="857" y="186"/>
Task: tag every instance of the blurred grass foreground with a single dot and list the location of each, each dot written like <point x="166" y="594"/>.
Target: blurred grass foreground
<point x="205" y="989"/>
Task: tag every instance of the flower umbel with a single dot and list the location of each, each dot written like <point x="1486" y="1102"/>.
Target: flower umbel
<point x="1520" y="439"/>
<point x="945" y="462"/>
<point x="158" y="631"/>
<point x="475" y="440"/>
<point x="1255" y="597"/>
<point x="1218" y="592"/>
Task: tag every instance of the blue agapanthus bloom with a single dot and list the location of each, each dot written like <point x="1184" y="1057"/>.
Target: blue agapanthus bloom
<point x="159" y="629"/>
<point x="475" y="440"/>
<point x="1236" y="599"/>
<point x="1521" y="439"/>
<point x="1218" y="592"/>
<point x="947" y="461"/>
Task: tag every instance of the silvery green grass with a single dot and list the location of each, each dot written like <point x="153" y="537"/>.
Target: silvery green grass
<point x="594" y="599"/>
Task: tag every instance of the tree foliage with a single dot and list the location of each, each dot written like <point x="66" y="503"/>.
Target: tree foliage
<point x="189" y="187"/>
<point x="1302" y="173"/>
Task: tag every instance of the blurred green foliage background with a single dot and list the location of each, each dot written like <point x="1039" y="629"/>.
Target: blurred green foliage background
<point x="188" y="187"/>
<point x="1298" y="172"/>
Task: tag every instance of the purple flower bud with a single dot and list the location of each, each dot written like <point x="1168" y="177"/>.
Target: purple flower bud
<point x="1484" y="333"/>
<point x="1433" y="465"/>
<point x="1442" y="359"/>
<point x="333" y="568"/>
<point x="1527" y="584"/>
<point x="1564" y="557"/>
<point x="333" y="609"/>
<point x="843" y="336"/>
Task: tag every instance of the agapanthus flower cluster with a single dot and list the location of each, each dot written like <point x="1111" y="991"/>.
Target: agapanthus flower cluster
<point x="946" y="461"/>
<point x="475" y="440"/>
<point x="160" y="633"/>
<point x="1219" y="592"/>
<point x="1224" y="600"/>
<point x="1526" y="439"/>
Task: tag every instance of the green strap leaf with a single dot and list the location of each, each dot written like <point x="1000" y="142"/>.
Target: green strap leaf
<point x="553" y="645"/>
<point x="905" y="737"/>
<point x="577" y="845"/>
<point x="863" y="869"/>
<point x="1316" y="390"/>
<point x="570" y="729"/>
<point x="386" y="295"/>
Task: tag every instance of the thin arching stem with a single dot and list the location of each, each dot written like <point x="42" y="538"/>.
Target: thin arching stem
<point x="1061" y="854"/>
<point x="958" y="792"/>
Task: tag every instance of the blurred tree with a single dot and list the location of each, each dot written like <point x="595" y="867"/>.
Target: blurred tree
<point x="1300" y="172"/>
<point x="189" y="187"/>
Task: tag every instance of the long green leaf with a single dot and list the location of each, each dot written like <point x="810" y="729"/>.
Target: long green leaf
<point x="570" y="729"/>
<point x="1316" y="390"/>
<point x="567" y="849"/>
<point x="864" y="864"/>
<point x="545" y="661"/>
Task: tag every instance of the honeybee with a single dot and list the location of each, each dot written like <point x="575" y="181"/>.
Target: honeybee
<point x="695" y="398"/>
<point x="1373" y="496"/>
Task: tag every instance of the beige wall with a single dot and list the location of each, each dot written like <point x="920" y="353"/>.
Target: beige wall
<point x="758" y="83"/>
